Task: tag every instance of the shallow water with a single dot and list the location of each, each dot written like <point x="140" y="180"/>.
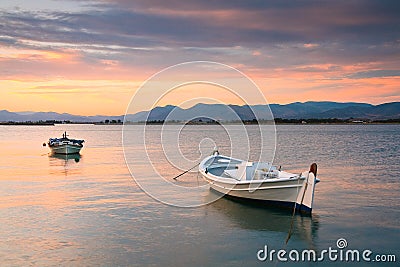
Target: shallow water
<point x="89" y="211"/>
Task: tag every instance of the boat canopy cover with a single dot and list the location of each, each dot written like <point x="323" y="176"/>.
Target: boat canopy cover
<point x="53" y="141"/>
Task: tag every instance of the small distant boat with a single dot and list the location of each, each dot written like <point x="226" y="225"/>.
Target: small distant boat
<point x="260" y="182"/>
<point x="65" y="145"/>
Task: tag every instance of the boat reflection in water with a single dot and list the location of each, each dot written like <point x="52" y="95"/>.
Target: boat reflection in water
<point x="65" y="164"/>
<point x="255" y="216"/>
<point x="67" y="157"/>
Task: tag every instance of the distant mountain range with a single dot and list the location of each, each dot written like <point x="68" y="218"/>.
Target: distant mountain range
<point x="307" y="110"/>
<point x="6" y="116"/>
<point x="297" y="110"/>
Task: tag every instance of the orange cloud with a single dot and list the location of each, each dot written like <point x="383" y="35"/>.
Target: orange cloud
<point x="10" y="53"/>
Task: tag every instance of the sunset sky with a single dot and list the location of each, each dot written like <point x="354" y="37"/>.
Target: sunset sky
<point x="89" y="57"/>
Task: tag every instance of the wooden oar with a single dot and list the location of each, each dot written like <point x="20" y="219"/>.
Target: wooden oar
<point x="186" y="171"/>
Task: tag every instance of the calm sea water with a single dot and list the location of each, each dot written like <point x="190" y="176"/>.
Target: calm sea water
<point x="88" y="210"/>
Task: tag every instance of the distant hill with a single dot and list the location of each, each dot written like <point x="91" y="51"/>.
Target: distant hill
<point x="307" y="110"/>
<point x="313" y="109"/>
<point x="297" y="110"/>
<point x="6" y="116"/>
<point x="383" y="111"/>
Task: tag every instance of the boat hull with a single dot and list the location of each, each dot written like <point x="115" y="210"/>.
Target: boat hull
<point x="285" y="191"/>
<point x="66" y="149"/>
<point x="278" y="198"/>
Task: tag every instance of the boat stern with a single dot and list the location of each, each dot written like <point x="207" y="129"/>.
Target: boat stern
<point x="305" y="197"/>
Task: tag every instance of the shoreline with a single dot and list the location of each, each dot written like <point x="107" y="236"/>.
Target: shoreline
<point x="195" y="124"/>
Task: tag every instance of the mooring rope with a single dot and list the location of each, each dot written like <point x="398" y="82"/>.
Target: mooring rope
<point x="295" y="205"/>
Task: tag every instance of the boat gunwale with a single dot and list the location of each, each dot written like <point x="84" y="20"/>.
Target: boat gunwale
<point x="233" y="181"/>
<point x="258" y="188"/>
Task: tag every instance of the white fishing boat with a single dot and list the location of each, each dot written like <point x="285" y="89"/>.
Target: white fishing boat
<point x="260" y="181"/>
<point x="65" y="145"/>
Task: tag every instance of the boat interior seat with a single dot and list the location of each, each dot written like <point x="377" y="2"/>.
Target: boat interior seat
<point x="232" y="174"/>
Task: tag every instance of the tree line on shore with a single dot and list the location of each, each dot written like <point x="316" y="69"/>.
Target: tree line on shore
<point x="210" y="121"/>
